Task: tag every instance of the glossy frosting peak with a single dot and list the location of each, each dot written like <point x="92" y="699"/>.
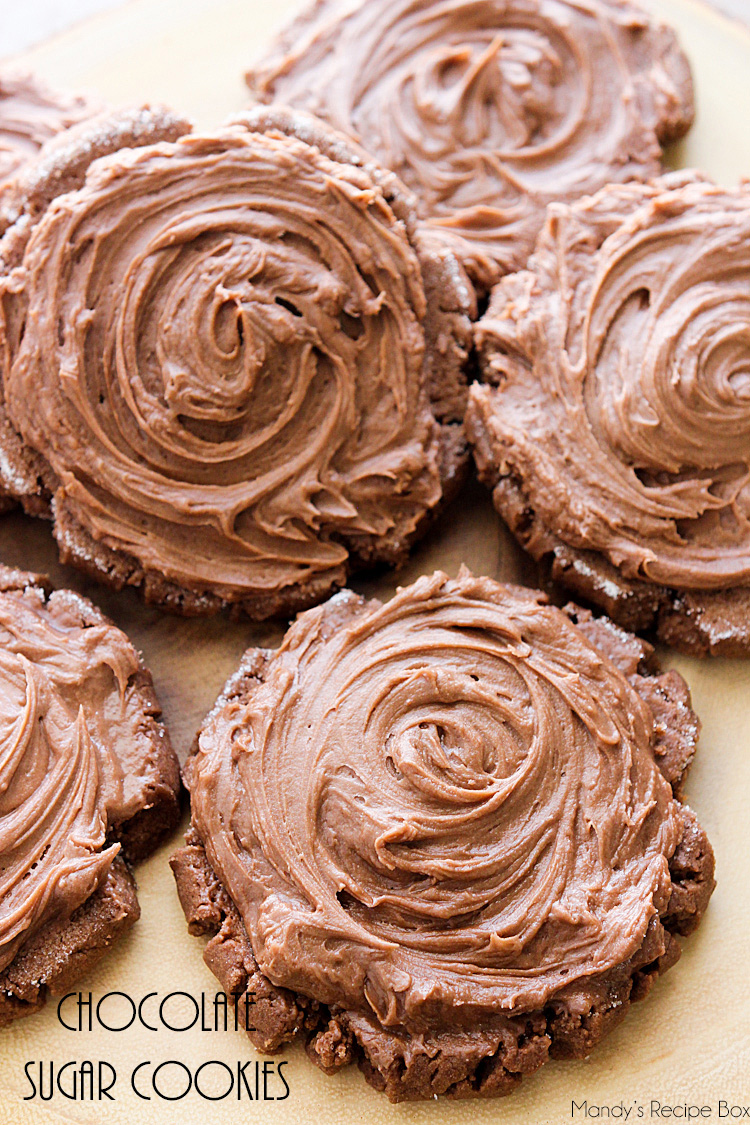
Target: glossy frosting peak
<point x="438" y="809"/>
<point x="622" y="368"/>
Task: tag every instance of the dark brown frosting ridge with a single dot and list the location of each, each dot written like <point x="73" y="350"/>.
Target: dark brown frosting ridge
<point x="437" y="810"/>
<point x="227" y="369"/>
<point x="70" y="767"/>
<point x="489" y="110"/>
<point x="621" y="364"/>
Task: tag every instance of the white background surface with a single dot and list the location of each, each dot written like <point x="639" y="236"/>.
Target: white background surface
<point x="24" y="23"/>
<point x="739" y="8"/>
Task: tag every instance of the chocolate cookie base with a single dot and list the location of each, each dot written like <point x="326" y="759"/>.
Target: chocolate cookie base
<point x="695" y="622"/>
<point x="488" y="1060"/>
<point x="480" y="1063"/>
<point x="64" y="949"/>
<point x="26" y="477"/>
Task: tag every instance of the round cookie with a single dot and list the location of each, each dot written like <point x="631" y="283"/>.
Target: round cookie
<point x="88" y="785"/>
<point x="489" y="109"/>
<point x="233" y="364"/>
<point x="614" y="423"/>
<point x="443" y="836"/>
<point x="30" y="114"/>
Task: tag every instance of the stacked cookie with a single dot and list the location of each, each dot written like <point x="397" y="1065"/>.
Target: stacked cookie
<point x="443" y="836"/>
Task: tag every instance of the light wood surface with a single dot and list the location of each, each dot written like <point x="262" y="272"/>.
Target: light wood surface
<point x="689" y="1042"/>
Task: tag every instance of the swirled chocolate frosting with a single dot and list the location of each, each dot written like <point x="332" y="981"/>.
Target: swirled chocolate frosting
<point x="439" y="809"/>
<point x="489" y="109"/>
<point x="30" y="114"/>
<point x="621" y="370"/>
<point x="219" y="349"/>
<point x="71" y="765"/>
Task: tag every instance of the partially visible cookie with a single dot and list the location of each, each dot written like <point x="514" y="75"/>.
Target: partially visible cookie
<point x="30" y="114"/>
<point x="614" y="421"/>
<point x="233" y="364"/>
<point x="443" y="836"/>
<point x="489" y="109"/>
<point x="89" y="784"/>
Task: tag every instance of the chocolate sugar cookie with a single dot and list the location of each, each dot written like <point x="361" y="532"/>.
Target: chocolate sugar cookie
<point x="30" y="114"/>
<point x="88" y="784"/>
<point x="614" y="426"/>
<point x="489" y="109"/>
<point x="233" y="363"/>
<point x="443" y="836"/>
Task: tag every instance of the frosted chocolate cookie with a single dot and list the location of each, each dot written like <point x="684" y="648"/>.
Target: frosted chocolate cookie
<point x="443" y="836"/>
<point x="30" y="114"/>
<point x="88" y="785"/>
<point x="233" y="363"/>
<point x="614" y="423"/>
<point x="489" y="109"/>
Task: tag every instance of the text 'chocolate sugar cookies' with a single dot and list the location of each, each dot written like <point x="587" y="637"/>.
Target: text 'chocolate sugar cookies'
<point x="442" y="835"/>
<point x="88" y="784"/>
<point x="615" y="423"/>
<point x="233" y="363"/>
<point x="489" y="109"/>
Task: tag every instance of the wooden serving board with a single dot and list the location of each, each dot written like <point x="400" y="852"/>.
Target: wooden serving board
<point x="689" y="1042"/>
